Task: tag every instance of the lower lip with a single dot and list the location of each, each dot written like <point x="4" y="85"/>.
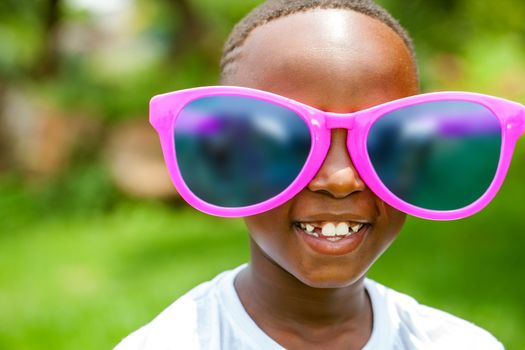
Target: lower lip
<point x="343" y="246"/>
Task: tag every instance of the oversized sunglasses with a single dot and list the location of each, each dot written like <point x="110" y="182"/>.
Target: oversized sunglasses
<point x="234" y="151"/>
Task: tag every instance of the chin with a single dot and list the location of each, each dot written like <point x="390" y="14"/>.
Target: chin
<point x="336" y="277"/>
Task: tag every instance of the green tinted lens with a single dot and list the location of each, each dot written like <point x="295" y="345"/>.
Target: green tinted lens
<point x="437" y="155"/>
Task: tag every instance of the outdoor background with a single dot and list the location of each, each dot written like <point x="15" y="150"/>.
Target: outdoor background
<point x="93" y="240"/>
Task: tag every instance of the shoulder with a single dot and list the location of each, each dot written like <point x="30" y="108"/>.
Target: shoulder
<point x="423" y="327"/>
<point x="181" y="325"/>
<point x="178" y="321"/>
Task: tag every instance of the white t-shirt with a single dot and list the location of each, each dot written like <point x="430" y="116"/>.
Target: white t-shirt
<point x="211" y="316"/>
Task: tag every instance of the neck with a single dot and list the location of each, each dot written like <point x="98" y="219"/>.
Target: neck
<point x="273" y="296"/>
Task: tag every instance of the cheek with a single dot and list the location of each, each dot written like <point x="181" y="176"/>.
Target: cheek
<point x="388" y="226"/>
<point x="274" y="241"/>
<point x="271" y="232"/>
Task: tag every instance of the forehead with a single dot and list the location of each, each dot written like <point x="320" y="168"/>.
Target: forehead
<point x="325" y="56"/>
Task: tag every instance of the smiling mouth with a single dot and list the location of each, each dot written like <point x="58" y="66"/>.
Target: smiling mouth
<point x="330" y="230"/>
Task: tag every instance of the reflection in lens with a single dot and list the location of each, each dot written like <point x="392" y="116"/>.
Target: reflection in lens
<point x="439" y="155"/>
<point x="235" y="151"/>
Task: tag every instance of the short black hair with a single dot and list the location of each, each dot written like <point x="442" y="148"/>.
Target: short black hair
<point x="274" y="9"/>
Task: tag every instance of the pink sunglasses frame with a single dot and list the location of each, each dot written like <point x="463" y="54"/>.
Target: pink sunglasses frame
<point x="165" y="108"/>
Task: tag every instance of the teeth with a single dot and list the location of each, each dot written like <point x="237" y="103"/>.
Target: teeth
<point x="332" y="231"/>
<point x="357" y="227"/>
<point x="341" y="229"/>
<point x="329" y="229"/>
<point x="309" y="229"/>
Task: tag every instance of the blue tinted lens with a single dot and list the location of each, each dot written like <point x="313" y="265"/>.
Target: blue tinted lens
<point x="436" y="155"/>
<point x="235" y="151"/>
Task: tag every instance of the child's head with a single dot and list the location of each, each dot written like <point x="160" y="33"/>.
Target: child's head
<point x="275" y="9"/>
<point x="337" y="56"/>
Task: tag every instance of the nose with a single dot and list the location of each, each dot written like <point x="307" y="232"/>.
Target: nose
<point x="337" y="176"/>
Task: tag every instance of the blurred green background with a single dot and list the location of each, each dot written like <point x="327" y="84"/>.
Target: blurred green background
<point x="93" y="242"/>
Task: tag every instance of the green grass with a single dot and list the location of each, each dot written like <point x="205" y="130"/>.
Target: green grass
<point x="85" y="279"/>
<point x="86" y="282"/>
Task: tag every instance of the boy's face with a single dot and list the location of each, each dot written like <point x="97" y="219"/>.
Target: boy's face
<point x="337" y="61"/>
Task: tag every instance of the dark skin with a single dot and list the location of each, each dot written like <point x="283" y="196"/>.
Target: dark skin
<point x="336" y="61"/>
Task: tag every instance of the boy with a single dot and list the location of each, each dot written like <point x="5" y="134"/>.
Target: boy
<point x="305" y="286"/>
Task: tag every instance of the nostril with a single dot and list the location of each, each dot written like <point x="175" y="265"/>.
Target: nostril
<point x="337" y="176"/>
<point x="338" y="184"/>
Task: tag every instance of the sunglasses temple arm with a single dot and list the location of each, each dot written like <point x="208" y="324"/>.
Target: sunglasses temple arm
<point x="521" y="122"/>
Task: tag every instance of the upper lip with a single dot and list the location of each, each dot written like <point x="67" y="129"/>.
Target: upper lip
<point x="320" y="217"/>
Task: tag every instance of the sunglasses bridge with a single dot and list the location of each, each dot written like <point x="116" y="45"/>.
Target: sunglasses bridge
<point x="340" y="120"/>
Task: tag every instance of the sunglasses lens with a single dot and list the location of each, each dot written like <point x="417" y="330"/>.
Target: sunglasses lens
<point x="235" y="151"/>
<point x="439" y="155"/>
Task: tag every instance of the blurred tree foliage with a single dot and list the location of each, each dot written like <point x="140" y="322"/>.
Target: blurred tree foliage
<point x="447" y="25"/>
<point x="185" y="37"/>
<point x="467" y="44"/>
